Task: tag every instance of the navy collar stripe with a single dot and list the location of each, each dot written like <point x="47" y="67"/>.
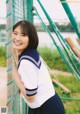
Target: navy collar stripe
<point x="30" y="58"/>
<point x="38" y="64"/>
<point x="31" y="55"/>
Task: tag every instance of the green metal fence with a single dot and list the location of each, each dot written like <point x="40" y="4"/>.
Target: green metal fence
<point x="16" y="10"/>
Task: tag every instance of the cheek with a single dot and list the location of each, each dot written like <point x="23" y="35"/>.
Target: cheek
<point x="26" y="42"/>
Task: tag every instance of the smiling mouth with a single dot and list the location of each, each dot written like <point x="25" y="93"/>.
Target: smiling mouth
<point x="17" y="43"/>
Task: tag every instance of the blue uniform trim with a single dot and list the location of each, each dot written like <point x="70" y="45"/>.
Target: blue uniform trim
<point x="38" y="64"/>
<point x="31" y="55"/>
<point x="30" y="92"/>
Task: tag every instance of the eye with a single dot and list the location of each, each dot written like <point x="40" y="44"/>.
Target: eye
<point x="14" y="33"/>
<point x="23" y="34"/>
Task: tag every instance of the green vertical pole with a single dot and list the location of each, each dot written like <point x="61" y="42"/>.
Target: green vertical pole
<point x="24" y="107"/>
<point x="24" y="9"/>
<point x="29" y="7"/>
<point x="71" y="17"/>
<point x="9" y="52"/>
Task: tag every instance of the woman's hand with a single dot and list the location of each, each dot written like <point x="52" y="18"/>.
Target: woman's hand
<point x="17" y="79"/>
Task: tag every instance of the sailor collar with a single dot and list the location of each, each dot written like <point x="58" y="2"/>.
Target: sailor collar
<point x="32" y="55"/>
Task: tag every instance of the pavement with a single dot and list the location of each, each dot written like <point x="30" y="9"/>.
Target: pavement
<point x="3" y="87"/>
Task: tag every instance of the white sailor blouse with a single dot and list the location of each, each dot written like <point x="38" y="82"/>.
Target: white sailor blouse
<point x="35" y="77"/>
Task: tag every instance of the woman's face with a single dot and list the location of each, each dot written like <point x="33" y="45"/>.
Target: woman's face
<point x="20" y="40"/>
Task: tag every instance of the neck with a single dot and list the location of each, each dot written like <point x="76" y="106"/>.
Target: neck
<point x="19" y="52"/>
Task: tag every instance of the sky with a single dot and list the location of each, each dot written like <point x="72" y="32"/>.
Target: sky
<point x="53" y="7"/>
<point x="56" y="11"/>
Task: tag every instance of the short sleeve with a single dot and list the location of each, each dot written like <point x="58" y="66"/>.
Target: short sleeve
<point x="28" y="74"/>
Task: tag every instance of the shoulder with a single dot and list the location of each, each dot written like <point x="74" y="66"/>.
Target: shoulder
<point x="27" y="65"/>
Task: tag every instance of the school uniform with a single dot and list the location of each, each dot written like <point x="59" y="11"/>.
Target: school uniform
<point x="37" y="81"/>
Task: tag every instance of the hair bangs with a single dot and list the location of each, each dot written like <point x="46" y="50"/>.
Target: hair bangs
<point x="24" y="29"/>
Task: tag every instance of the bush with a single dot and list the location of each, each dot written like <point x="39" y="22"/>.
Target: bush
<point x="53" y="59"/>
<point x="2" y="56"/>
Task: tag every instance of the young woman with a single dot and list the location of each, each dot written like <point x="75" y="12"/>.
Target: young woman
<point x="32" y="76"/>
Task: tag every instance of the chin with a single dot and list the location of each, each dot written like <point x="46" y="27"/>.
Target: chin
<point x="17" y="48"/>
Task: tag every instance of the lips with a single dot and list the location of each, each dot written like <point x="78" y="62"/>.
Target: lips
<point x="17" y="43"/>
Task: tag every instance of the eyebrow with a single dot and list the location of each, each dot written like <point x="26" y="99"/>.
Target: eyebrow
<point x="19" y="33"/>
<point x="16" y="32"/>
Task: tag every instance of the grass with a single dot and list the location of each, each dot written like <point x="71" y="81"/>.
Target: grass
<point x="53" y="59"/>
<point x="71" y="106"/>
<point x="2" y="56"/>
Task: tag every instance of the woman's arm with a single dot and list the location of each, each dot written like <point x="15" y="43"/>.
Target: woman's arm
<point x="21" y="85"/>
